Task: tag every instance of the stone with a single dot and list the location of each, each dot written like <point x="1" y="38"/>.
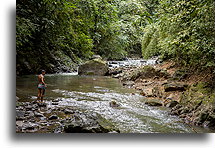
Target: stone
<point x="29" y="126"/>
<point x="88" y="123"/>
<point x="113" y="104"/>
<point x="180" y="74"/>
<point x="174" y="87"/>
<point x="42" y="104"/>
<point x="19" y="123"/>
<point x="149" y="92"/>
<point x="142" y="93"/>
<point x="28" y="108"/>
<point x="172" y="104"/>
<point x="96" y="57"/>
<point x="154" y="102"/>
<point x="128" y="83"/>
<point x="67" y="111"/>
<point x="93" y="67"/>
<point x="36" y="114"/>
<point x="114" y="71"/>
<point x="20" y="114"/>
<point x="54" y="103"/>
<point x="203" y="117"/>
<point x="53" y="117"/>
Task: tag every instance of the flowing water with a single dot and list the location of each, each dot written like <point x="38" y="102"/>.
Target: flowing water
<point x="95" y="93"/>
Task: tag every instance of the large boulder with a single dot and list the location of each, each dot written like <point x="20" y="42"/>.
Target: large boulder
<point x="93" y="67"/>
<point x="88" y="123"/>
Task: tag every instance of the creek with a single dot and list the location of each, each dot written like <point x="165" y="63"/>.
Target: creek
<point x="94" y="93"/>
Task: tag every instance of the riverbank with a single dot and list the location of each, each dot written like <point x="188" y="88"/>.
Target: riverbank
<point x="48" y="117"/>
<point x="189" y="95"/>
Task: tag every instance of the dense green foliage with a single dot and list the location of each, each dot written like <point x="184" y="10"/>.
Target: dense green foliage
<point x="183" y="30"/>
<point x="52" y="34"/>
<point x="56" y="35"/>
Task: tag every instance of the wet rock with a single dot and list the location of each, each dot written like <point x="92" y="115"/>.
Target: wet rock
<point x="35" y="106"/>
<point x="157" y="91"/>
<point x="96" y="57"/>
<point x="29" y="126"/>
<point x="174" y="87"/>
<point x="180" y="74"/>
<point x="143" y="73"/>
<point x="42" y="104"/>
<point x="203" y="117"/>
<point x="172" y="104"/>
<point x="142" y="93"/>
<point x="53" y="117"/>
<point x="113" y="104"/>
<point x="86" y="123"/>
<point x="36" y="114"/>
<point x="28" y="108"/>
<point x="93" y="67"/>
<point x="19" y="123"/>
<point x="115" y="71"/>
<point x="67" y="111"/>
<point x="211" y="119"/>
<point x="128" y="83"/>
<point x="149" y="92"/>
<point x="29" y="113"/>
<point x="154" y="102"/>
<point x="55" y="103"/>
<point x="20" y="114"/>
<point x="184" y="110"/>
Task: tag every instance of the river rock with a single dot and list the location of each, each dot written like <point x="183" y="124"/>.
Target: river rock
<point x="114" y="72"/>
<point x="154" y="102"/>
<point x="36" y="114"/>
<point x="19" y="123"/>
<point x="86" y="123"/>
<point x="42" y="104"/>
<point x="128" y="83"/>
<point x="113" y="104"/>
<point x="180" y="74"/>
<point x="93" y="67"/>
<point x="68" y="111"/>
<point x="96" y="57"/>
<point x="55" y="103"/>
<point x="172" y="104"/>
<point x="20" y="114"/>
<point x="53" y="117"/>
<point x="29" y="126"/>
<point x="174" y="87"/>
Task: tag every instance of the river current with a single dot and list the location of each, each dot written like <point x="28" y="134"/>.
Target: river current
<point x="94" y="93"/>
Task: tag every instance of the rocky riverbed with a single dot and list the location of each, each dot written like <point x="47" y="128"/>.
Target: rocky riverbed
<point x="33" y="117"/>
<point x="100" y="104"/>
<point x="166" y="85"/>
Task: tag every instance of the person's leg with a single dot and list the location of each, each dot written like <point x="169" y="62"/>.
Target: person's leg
<point x="39" y="94"/>
<point x="42" y="94"/>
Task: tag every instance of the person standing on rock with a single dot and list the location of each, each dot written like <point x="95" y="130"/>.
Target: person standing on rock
<point x="41" y="86"/>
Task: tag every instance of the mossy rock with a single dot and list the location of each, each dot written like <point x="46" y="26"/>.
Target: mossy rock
<point x="180" y="74"/>
<point x="175" y="87"/>
<point x="154" y="102"/>
<point x="93" y="67"/>
<point x="144" y="72"/>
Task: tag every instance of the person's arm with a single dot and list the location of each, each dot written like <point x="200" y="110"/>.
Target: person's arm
<point x="42" y="79"/>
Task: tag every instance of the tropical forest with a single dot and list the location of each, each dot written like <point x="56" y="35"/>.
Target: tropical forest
<point x="115" y="66"/>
